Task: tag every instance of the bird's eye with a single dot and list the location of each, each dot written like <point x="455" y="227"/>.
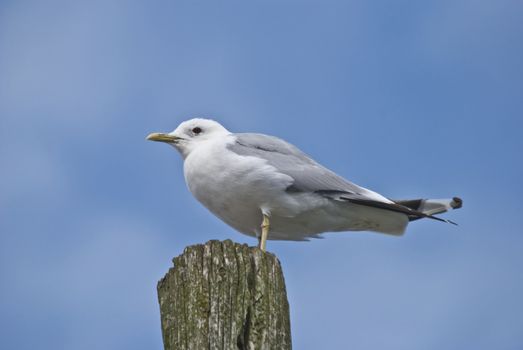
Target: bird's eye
<point x="197" y="130"/>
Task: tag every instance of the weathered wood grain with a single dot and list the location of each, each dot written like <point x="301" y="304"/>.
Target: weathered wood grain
<point x="224" y="295"/>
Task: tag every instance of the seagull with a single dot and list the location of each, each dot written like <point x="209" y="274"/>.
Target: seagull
<point x="265" y="187"/>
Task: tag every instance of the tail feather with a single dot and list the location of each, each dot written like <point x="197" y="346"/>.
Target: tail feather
<point x="431" y="206"/>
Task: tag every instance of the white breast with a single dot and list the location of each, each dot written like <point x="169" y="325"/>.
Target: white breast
<point x="236" y="188"/>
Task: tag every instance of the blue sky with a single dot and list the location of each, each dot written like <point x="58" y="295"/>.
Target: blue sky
<point x="418" y="98"/>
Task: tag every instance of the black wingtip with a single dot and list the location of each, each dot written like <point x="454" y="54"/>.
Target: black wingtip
<point x="440" y="219"/>
<point x="452" y="222"/>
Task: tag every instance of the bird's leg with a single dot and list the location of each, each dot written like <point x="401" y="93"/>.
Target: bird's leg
<point x="265" y="232"/>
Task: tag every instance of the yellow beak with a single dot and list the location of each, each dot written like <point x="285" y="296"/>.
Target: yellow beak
<point x="161" y="137"/>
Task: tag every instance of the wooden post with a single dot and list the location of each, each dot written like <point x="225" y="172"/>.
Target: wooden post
<point x="224" y="295"/>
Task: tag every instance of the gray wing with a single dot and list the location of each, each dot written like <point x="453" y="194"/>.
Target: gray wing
<point x="309" y="176"/>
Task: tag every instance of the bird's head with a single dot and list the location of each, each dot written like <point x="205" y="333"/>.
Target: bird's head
<point x="190" y="134"/>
